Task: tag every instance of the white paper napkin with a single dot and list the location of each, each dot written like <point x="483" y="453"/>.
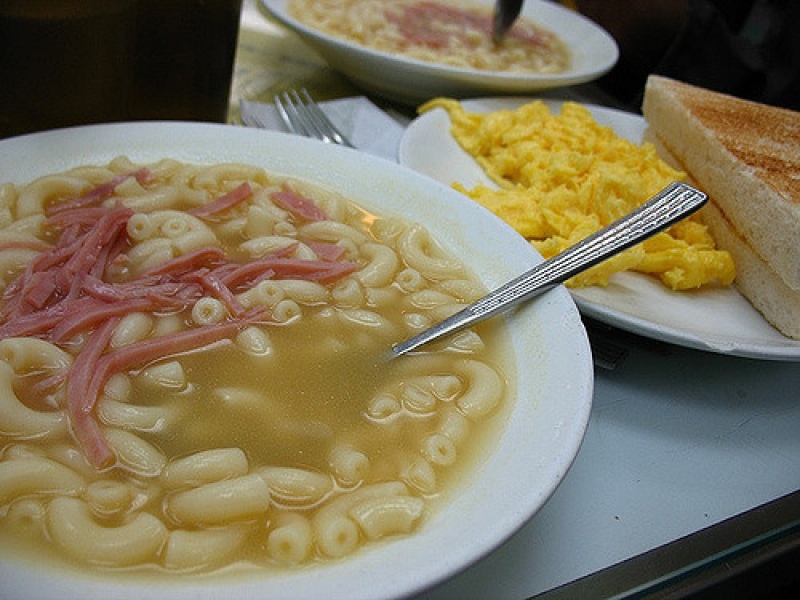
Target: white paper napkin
<point x="369" y="128"/>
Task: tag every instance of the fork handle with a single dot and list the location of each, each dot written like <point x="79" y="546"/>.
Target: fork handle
<point x="669" y="206"/>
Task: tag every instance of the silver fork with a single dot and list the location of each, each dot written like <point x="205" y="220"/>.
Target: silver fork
<point x="303" y="116"/>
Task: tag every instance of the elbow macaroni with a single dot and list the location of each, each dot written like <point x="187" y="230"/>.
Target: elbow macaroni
<point x="19" y="356"/>
<point x="224" y="501"/>
<point x="287" y="437"/>
<point x="291" y="540"/>
<point x="205" y="467"/>
<point x="70" y="522"/>
<point x="197" y="549"/>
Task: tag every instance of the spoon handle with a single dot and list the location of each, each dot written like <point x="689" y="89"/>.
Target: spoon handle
<point x="669" y="206"/>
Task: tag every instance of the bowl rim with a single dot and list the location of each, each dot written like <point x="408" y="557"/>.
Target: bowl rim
<point x="547" y="335"/>
<point x="320" y="39"/>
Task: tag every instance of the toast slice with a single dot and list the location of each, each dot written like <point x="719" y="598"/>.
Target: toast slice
<point x="745" y="155"/>
<point x="756" y="280"/>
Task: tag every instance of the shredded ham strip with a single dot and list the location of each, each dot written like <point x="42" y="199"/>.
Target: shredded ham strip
<point x="100" y="193"/>
<point x="325" y="250"/>
<point x="63" y="294"/>
<point x="229" y="200"/>
<point x="90" y="381"/>
<point x="33" y="324"/>
<point x="202" y="257"/>
<point x="221" y="292"/>
<point x="96" y="312"/>
<point x="80" y="403"/>
<point x="298" y="205"/>
<point x="288" y="268"/>
<point x="424" y="24"/>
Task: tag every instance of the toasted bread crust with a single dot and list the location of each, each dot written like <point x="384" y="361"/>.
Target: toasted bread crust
<point x="745" y="155"/>
<point x="755" y="279"/>
<point x="764" y="137"/>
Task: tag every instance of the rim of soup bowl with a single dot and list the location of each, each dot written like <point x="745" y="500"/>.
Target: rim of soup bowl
<point x="410" y="80"/>
<point x="551" y="353"/>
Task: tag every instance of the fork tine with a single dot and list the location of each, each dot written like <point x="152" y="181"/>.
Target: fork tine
<point x="320" y="120"/>
<point x="293" y="115"/>
<point x="284" y="113"/>
<point x="303" y="116"/>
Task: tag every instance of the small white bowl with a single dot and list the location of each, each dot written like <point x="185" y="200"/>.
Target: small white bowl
<point x="409" y="81"/>
<point x="552" y="361"/>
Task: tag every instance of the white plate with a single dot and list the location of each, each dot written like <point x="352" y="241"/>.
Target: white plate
<point x="409" y="81"/>
<point x="547" y="421"/>
<point x="718" y="320"/>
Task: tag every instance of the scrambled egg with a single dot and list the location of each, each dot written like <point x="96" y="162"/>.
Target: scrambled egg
<point x="563" y="177"/>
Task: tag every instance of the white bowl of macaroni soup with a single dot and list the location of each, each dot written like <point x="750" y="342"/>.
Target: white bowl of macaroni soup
<point x="195" y="399"/>
<point x="410" y="51"/>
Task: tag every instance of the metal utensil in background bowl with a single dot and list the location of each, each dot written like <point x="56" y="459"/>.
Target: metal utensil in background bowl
<point x="410" y="81"/>
<point x="552" y="367"/>
<point x="505" y="13"/>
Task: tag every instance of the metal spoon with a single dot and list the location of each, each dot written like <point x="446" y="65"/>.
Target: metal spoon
<point x="672" y="204"/>
<point x="505" y="13"/>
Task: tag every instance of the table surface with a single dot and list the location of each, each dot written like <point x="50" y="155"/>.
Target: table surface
<point x="680" y="443"/>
